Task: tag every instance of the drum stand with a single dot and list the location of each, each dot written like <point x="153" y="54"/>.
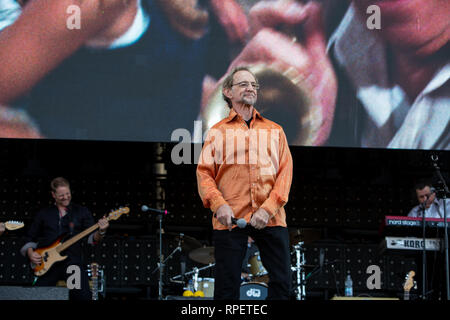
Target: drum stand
<point x="299" y="269"/>
<point x="195" y="271"/>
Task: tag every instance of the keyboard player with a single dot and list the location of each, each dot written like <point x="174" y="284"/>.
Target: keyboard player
<point x="434" y="207"/>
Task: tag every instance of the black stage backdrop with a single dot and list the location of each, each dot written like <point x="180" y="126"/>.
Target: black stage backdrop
<point x="338" y="202"/>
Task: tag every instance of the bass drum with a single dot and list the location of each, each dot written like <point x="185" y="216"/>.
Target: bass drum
<point x="253" y="291"/>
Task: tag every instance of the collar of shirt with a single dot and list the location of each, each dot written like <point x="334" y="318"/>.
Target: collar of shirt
<point x="233" y="114"/>
<point x="435" y="203"/>
<point x="62" y="211"/>
<point x="363" y="55"/>
<point x="432" y="212"/>
<point x="9" y="12"/>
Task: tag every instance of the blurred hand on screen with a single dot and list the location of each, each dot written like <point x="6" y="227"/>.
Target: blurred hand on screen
<point x="186" y="17"/>
<point x="232" y="18"/>
<point x="304" y="60"/>
<point x="16" y="124"/>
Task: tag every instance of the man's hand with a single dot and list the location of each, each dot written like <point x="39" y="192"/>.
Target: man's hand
<point x="34" y="257"/>
<point x="232" y="18"/>
<point x="224" y="214"/>
<point x="259" y="219"/>
<point x="16" y="124"/>
<point x="103" y="224"/>
<point x="186" y="17"/>
<point x="304" y="61"/>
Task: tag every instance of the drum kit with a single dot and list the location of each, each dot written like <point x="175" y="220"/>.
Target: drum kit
<point x="297" y="239"/>
<point x="195" y="286"/>
<point x="253" y="289"/>
<point x="255" y="286"/>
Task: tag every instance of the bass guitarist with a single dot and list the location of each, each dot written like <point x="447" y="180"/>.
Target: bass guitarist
<point x="52" y="223"/>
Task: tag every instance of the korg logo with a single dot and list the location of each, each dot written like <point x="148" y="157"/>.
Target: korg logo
<point x="254" y="293"/>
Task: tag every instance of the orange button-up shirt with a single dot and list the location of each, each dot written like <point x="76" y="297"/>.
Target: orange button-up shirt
<point x="246" y="168"/>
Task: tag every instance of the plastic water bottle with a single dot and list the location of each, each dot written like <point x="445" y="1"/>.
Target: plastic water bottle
<point x="190" y="285"/>
<point x="348" y="286"/>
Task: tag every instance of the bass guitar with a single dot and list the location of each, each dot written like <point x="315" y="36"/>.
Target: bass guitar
<point x="52" y="253"/>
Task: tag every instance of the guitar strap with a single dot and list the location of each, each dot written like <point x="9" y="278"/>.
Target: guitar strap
<point x="71" y="218"/>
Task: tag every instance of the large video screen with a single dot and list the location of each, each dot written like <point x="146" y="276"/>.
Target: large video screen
<point x="341" y="73"/>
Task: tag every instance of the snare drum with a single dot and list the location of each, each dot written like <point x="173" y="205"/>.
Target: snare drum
<point x="257" y="270"/>
<point x="253" y="291"/>
<point x="207" y="286"/>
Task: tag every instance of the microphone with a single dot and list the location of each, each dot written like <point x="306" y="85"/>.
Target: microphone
<point x="145" y="209"/>
<point x="241" y="223"/>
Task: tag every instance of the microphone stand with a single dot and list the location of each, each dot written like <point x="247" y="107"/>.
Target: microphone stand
<point x="435" y="158"/>
<point x="161" y="262"/>
<point x="424" y="256"/>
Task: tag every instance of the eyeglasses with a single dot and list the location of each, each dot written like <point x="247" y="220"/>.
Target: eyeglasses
<point x="245" y="84"/>
<point x="62" y="195"/>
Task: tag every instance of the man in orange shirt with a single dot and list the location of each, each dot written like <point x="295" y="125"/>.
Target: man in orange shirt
<point x="245" y="172"/>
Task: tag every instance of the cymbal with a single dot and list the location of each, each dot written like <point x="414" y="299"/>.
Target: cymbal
<point x="187" y="243"/>
<point x="304" y="235"/>
<point x="203" y="255"/>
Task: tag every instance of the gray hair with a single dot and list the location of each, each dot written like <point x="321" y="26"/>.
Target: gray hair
<point x="59" y="182"/>
<point x="228" y="82"/>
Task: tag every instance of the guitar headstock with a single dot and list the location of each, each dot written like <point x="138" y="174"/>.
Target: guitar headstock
<point x="409" y="282"/>
<point x="94" y="270"/>
<point x="114" y="215"/>
<point x="14" y="225"/>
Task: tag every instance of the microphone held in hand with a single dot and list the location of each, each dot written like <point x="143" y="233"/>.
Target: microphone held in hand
<point x="241" y="223"/>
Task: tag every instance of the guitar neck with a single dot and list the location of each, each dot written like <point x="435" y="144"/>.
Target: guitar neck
<point x="406" y="295"/>
<point x="74" y="239"/>
<point x="95" y="289"/>
<point x="113" y="215"/>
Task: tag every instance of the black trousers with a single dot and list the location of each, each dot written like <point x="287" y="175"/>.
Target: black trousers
<point x="229" y="251"/>
<point x="59" y="272"/>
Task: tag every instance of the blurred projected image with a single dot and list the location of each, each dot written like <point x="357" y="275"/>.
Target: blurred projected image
<point x="136" y="70"/>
